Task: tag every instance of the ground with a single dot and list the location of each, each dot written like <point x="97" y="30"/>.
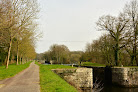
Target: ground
<point x="25" y="81"/>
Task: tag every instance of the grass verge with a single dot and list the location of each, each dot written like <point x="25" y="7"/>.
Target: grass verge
<point x="102" y="65"/>
<point x="126" y="66"/>
<point x="12" y="70"/>
<point x="91" y="64"/>
<point x="51" y="82"/>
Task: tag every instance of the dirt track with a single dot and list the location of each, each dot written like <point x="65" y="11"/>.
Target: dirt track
<point x="25" y="81"/>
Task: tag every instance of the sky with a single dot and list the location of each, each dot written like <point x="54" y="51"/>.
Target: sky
<point x="72" y="22"/>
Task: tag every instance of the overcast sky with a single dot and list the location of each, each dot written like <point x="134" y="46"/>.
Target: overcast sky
<point x="72" y="22"/>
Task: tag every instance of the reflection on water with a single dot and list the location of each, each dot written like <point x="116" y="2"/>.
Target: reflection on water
<point x="111" y="88"/>
<point x="118" y="89"/>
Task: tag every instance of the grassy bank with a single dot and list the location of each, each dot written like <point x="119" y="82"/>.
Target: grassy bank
<point x="50" y="82"/>
<point x="102" y="65"/>
<point x="12" y="70"/>
<point x="91" y="64"/>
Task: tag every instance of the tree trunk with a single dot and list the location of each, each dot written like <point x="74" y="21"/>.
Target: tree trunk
<point x="20" y="60"/>
<point x="135" y="48"/>
<point x="132" y="59"/>
<point x="9" y="50"/>
<point x="17" y="52"/>
<point x="23" y="60"/>
<point x="117" y="55"/>
<point x="137" y="60"/>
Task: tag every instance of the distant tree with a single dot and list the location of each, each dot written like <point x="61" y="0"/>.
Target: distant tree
<point x="60" y="53"/>
<point x="40" y="56"/>
<point x="106" y="47"/>
<point x="75" y="58"/>
<point x="46" y="56"/>
<point x="86" y="57"/>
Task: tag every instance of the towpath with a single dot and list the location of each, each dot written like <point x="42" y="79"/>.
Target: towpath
<point x="25" y="81"/>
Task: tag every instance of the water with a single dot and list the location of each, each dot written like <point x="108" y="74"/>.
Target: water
<point x="111" y="88"/>
<point x="60" y="64"/>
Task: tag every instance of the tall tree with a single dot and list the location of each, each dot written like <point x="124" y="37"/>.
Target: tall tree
<point x="19" y="16"/>
<point x="116" y="27"/>
<point x="9" y="23"/>
<point x="131" y="12"/>
<point x="26" y="19"/>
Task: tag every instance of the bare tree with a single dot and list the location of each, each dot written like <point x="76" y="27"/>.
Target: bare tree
<point x="9" y="23"/>
<point x="106" y="43"/>
<point x="116" y="26"/>
<point x="131" y="12"/>
<point x="60" y="53"/>
<point x="27" y="11"/>
<point x="19" y="17"/>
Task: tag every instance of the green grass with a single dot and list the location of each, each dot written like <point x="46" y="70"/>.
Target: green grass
<point x="0" y="63"/>
<point x="91" y="64"/>
<point x="12" y="70"/>
<point x="51" y="82"/>
<point x="127" y="66"/>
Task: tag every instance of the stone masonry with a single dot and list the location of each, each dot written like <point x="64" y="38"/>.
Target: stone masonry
<point x="125" y="76"/>
<point x="80" y="77"/>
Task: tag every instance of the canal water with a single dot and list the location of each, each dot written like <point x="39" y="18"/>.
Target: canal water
<point x="112" y="88"/>
<point x="104" y="76"/>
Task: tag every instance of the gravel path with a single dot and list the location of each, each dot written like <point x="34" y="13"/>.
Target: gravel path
<point x="25" y="81"/>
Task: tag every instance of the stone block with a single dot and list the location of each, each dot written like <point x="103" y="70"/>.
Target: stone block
<point x="80" y="77"/>
<point x="126" y="76"/>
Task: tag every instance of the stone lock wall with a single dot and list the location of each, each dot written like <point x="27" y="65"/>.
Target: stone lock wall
<point x="83" y="77"/>
<point x="80" y="78"/>
<point x="126" y="76"/>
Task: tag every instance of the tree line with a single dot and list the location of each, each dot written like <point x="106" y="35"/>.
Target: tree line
<point x="119" y="45"/>
<point x="17" y="30"/>
<point x="60" y="54"/>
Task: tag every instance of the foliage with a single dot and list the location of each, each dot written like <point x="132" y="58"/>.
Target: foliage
<point x="75" y="58"/>
<point x="51" y="82"/>
<point x="17" y="29"/>
<point x="60" y="54"/>
<point x="116" y="26"/>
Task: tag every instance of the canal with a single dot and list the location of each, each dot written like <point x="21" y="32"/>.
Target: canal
<point x="112" y="88"/>
<point x="103" y="76"/>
